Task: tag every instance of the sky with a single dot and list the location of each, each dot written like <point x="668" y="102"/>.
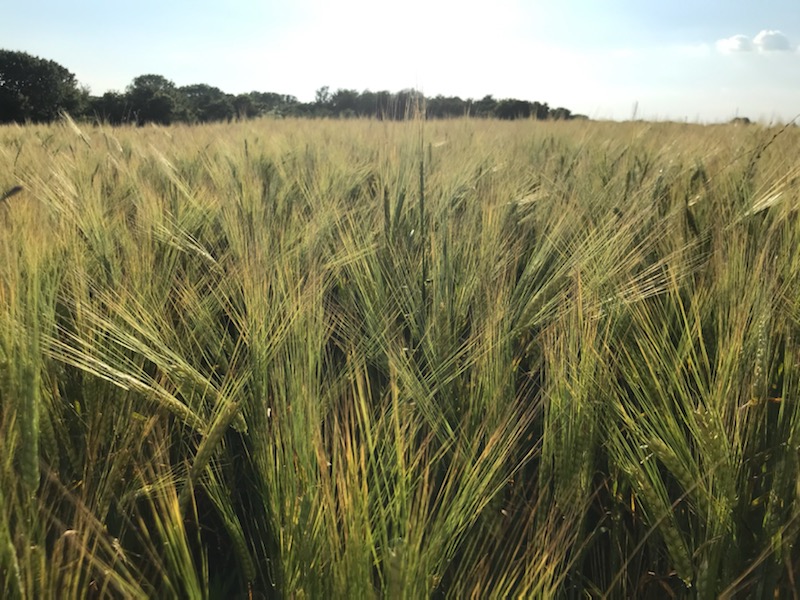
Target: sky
<point x="609" y="59"/>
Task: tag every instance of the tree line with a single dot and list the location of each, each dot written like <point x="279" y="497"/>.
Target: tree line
<point x="34" y="89"/>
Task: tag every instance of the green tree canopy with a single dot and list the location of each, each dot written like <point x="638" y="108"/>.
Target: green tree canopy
<point x="155" y="99"/>
<point x="111" y="107"/>
<point x="34" y="89"/>
<point x="207" y="103"/>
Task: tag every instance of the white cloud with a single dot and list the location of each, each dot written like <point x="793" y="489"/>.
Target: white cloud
<point x="767" y="40"/>
<point x="772" y="41"/>
<point x="736" y="43"/>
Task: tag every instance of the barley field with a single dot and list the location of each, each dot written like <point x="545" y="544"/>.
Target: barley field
<point x="370" y="359"/>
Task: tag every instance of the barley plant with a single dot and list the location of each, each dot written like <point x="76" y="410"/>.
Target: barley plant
<point x="371" y="359"/>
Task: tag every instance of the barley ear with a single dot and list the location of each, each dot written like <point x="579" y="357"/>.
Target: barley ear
<point x="206" y="449"/>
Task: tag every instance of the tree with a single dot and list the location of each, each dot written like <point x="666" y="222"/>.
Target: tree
<point x="206" y="103"/>
<point x="323" y="96"/>
<point x="540" y="111"/>
<point x="486" y="106"/>
<point x="345" y="103"/>
<point x="34" y="89"/>
<point x="367" y="104"/>
<point x="111" y="107"/>
<point x="402" y="105"/>
<point x="561" y="114"/>
<point x="254" y="104"/>
<point x="245" y="107"/>
<point x="443" y="107"/>
<point x="513" y="109"/>
<point x="155" y="99"/>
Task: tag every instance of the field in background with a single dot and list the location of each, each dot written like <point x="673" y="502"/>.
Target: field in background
<point x="323" y="359"/>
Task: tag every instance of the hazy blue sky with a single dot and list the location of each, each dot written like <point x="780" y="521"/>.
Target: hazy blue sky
<point x="679" y="59"/>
